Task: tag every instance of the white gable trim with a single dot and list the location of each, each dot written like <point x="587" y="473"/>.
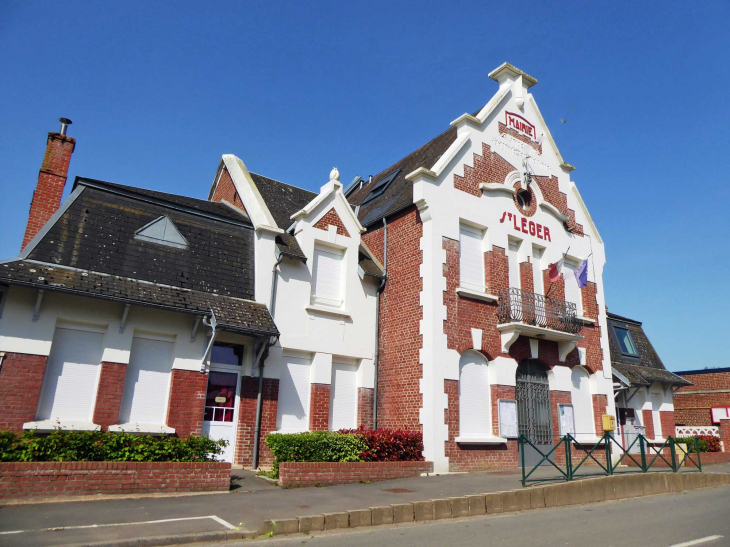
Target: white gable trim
<point x="583" y="208"/>
<point x="332" y="187"/>
<point x="563" y="163"/>
<point x="249" y="194"/>
<point x="442" y="162"/>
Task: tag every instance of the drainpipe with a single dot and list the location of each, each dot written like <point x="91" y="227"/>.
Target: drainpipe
<point x="264" y="346"/>
<point x="377" y="321"/>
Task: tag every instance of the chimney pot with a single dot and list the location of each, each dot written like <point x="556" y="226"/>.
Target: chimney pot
<point x="65" y="122"/>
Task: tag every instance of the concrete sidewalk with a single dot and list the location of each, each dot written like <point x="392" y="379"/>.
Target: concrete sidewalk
<point x="245" y="508"/>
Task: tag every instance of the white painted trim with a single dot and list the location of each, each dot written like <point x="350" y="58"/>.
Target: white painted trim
<point x="586" y="320"/>
<point x="477" y="439"/>
<point x="493" y="103"/>
<point x="442" y="162"/>
<point x="332" y="187"/>
<point x="88" y="327"/>
<point x="548" y="135"/>
<point x="326" y="309"/>
<point x="469" y="293"/>
<point x="137" y="427"/>
<point x="550" y="208"/>
<point x="496" y="187"/>
<point x="466" y="119"/>
<point x="248" y="192"/>
<point x="588" y="216"/>
<point x="52" y="425"/>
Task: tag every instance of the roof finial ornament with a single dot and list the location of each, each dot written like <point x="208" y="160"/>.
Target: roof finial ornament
<point x="335" y="174"/>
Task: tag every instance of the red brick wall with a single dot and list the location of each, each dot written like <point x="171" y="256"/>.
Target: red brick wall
<point x="51" y="180"/>
<point x="599" y="409"/>
<point x="109" y="394"/>
<point x="21" y="379"/>
<point x="464" y="457"/>
<point x="247" y="420"/>
<point x="489" y="167"/>
<point x="647" y="420"/>
<point x="187" y="402"/>
<point x="591" y="333"/>
<point x="365" y="407"/>
<point x="331" y="217"/>
<point x="62" y="479"/>
<point x="666" y="418"/>
<point x="319" y="407"/>
<point x="558" y="398"/>
<point x="692" y="408"/>
<point x="551" y="193"/>
<point x="303" y="474"/>
<point x="226" y="190"/>
<point x="399" y="369"/>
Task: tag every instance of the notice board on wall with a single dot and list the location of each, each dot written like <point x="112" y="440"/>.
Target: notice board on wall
<point x="508" y="418"/>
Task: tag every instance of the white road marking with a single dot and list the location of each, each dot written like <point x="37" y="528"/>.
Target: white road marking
<point x="162" y="521"/>
<point x="696" y="541"/>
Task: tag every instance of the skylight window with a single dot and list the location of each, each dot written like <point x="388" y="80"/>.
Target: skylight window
<point x="381" y="186"/>
<point x="625" y="341"/>
<point x="162" y="231"/>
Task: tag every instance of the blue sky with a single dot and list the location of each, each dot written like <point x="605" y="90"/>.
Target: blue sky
<point x="159" y="90"/>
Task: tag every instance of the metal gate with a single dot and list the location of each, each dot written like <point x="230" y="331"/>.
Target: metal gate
<point x="533" y="409"/>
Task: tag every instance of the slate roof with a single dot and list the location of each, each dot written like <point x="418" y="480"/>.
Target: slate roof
<point x="645" y="369"/>
<point x="231" y="313"/>
<point x="283" y="200"/>
<point x="288" y="245"/>
<point x="92" y="249"/>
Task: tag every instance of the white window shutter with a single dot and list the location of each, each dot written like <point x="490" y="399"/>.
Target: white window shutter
<point x="582" y="403"/>
<point x="147" y="382"/>
<point x="572" y="292"/>
<point x="328" y="276"/>
<point x="294" y="387"/>
<point x="514" y="266"/>
<point x="343" y="397"/>
<point x="474" y="411"/>
<point x="471" y="259"/>
<point x="72" y="376"/>
<point x="537" y="279"/>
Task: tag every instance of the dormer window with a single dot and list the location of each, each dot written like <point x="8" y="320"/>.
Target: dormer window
<point x="625" y="341"/>
<point x="163" y="232"/>
<point x="380" y="186"/>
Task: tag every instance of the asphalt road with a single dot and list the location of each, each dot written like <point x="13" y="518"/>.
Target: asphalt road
<point x="661" y="521"/>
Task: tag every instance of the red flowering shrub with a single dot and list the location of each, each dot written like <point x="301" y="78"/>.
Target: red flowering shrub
<point x="390" y="445"/>
<point x="713" y="443"/>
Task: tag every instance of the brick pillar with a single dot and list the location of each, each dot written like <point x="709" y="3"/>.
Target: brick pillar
<point x="647" y="419"/>
<point x="247" y="420"/>
<point x="21" y="379"/>
<point x="109" y="394"/>
<point x="365" y="407"/>
<point x="599" y="409"/>
<point x="51" y="180"/>
<point x="187" y="402"/>
<point x="725" y="435"/>
<point x="319" y="407"/>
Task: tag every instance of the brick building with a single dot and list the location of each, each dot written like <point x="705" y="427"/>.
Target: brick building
<point x="694" y="404"/>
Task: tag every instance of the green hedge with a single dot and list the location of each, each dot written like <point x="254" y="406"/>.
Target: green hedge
<point x="101" y="446"/>
<point x="316" y="446"/>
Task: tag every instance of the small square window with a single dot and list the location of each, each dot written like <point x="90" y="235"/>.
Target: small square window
<point x="625" y="341"/>
<point x="226" y="354"/>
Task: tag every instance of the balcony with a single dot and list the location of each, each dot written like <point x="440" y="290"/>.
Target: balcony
<point x="524" y="313"/>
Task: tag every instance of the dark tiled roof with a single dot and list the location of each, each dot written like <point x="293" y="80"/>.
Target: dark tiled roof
<point x="289" y="246"/>
<point x="203" y="206"/>
<point x="97" y="233"/>
<point x="282" y="199"/>
<point x="231" y="313"/>
<point x="647" y="367"/>
<point x="399" y="194"/>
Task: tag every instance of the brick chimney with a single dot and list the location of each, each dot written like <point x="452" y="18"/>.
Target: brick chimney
<point x="51" y="180"/>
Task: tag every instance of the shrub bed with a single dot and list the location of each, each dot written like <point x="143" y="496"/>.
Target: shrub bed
<point x="390" y="445"/>
<point x="706" y="443"/>
<point x="102" y="446"/>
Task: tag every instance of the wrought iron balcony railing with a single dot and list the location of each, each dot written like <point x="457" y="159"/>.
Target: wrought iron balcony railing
<point x="518" y="306"/>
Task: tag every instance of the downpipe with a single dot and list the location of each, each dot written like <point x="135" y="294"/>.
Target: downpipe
<point x="377" y="322"/>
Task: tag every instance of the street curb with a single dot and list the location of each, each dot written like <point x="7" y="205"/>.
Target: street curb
<point x="581" y="492"/>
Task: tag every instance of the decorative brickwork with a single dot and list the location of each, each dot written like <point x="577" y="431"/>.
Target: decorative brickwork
<point x="647" y="420"/>
<point x="226" y="190"/>
<point x="591" y="333"/>
<point x="526" y="282"/>
<point x="490" y="167"/>
<point x="551" y="193"/>
<point x="399" y="370"/>
<point x="692" y="404"/>
<point x="503" y="129"/>
<point x="21" y="379"/>
<point x="51" y="180"/>
<point x="187" y="402"/>
<point x="65" y="479"/>
<point x="109" y="394"/>
<point x="599" y="409"/>
<point x="319" y="407"/>
<point x="666" y="419"/>
<point x="303" y="474"/>
<point x="332" y="218"/>
<point x="365" y="407"/>
<point x="247" y="420"/>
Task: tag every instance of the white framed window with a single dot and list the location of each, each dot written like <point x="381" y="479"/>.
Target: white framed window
<point x="572" y="291"/>
<point x="147" y="381"/>
<point x="471" y="258"/>
<point x="513" y="248"/>
<point x="343" y="397"/>
<point x="474" y="397"/>
<point x="566" y="417"/>
<point x="327" y="276"/>
<point x="293" y="407"/>
<point x="580" y="394"/>
<point x="72" y="376"/>
<point x="537" y="278"/>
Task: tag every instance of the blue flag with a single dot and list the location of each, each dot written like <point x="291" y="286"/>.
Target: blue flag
<point x="581" y="274"/>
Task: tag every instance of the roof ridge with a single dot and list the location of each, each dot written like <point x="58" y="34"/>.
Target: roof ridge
<point x="284" y="183"/>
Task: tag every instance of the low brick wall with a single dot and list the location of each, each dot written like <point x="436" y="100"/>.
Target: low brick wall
<point x="714" y="457"/>
<point x="53" y="479"/>
<point x="294" y="474"/>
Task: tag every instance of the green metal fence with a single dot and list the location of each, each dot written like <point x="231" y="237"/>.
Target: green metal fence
<point x="647" y="454"/>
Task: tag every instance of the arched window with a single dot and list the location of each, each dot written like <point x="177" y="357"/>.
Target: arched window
<point x="474" y="400"/>
<point x="580" y="390"/>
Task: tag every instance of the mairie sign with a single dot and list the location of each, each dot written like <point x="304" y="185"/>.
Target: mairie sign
<point x="520" y="124"/>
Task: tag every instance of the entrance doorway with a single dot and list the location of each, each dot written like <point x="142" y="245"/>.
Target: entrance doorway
<point x="221" y="409"/>
<point x="533" y="410"/>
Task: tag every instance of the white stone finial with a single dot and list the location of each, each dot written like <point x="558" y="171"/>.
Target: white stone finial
<point x="335" y="174"/>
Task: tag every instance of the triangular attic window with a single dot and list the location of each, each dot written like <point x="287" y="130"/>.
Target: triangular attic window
<point x="162" y="231"/>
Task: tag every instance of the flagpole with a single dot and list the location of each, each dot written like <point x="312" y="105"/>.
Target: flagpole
<point x="550" y="288"/>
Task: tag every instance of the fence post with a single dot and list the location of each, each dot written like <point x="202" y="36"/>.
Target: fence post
<point x="643" y="453"/>
<point x="607" y="440"/>
<point x="673" y="451"/>
<point x="568" y="459"/>
<point x="521" y="444"/>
